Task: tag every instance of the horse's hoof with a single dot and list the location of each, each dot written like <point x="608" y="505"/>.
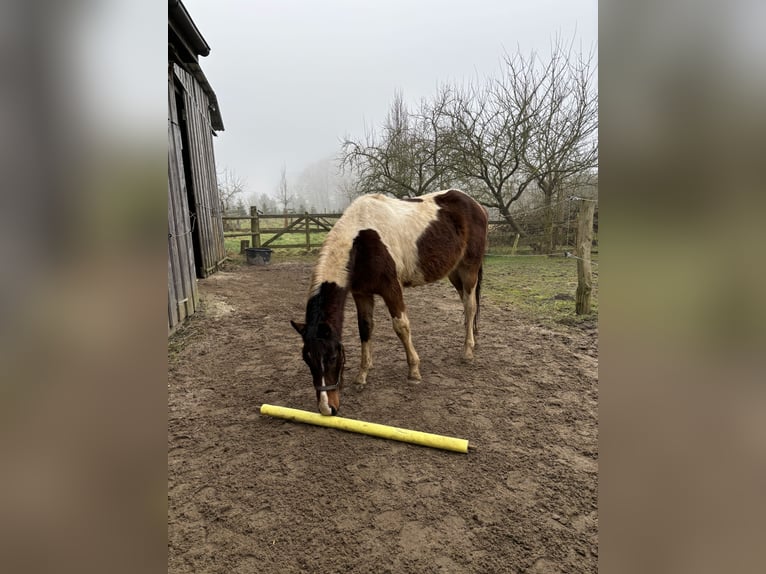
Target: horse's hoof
<point x="415" y="379"/>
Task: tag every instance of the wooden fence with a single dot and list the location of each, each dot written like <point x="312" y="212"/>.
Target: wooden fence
<point x="305" y="225"/>
<point x="291" y="224"/>
<point x="264" y="230"/>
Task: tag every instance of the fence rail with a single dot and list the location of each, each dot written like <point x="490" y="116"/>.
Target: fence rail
<point x="305" y="225"/>
<point x="263" y="231"/>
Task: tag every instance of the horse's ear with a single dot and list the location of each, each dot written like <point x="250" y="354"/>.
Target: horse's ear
<point x="324" y="331"/>
<point x="300" y="327"/>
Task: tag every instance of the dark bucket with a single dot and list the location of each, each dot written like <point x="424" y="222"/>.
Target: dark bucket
<point x="258" y="255"/>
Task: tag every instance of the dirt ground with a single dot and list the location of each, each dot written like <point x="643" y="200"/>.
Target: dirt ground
<point x="254" y="494"/>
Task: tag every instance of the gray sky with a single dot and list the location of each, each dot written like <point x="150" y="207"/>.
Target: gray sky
<point x="293" y="77"/>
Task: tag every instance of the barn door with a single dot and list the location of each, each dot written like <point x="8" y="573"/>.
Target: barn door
<point x="186" y="150"/>
<point x="182" y="281"/>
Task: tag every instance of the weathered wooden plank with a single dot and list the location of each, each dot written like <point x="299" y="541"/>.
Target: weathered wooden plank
<point x="193" y="154"/>
<point x="179" y="224"/>
<point x="289" y="246"/>
<point x="323" y="225"/>
<point x="172" y="263"/>
<point x="255" y="227"/>
<point x="281" y="233"/>
<point x="175" y="285"/>
<point x="204" y="185"/>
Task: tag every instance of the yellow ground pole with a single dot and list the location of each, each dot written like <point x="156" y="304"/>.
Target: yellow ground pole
<point x="373" y="429"/>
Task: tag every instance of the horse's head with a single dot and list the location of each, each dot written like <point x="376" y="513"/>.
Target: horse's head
<point x="324" y="354"/>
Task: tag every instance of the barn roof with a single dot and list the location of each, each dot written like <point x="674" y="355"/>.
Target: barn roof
<point x="185" y="45"/>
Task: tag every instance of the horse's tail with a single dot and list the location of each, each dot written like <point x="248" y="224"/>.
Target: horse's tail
<point x="477" y="294"/>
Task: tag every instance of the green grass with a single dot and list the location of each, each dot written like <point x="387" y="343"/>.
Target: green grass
<point x="531" y="285"/>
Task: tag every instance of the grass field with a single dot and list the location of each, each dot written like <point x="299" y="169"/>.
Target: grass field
<point x="539" y="286"/>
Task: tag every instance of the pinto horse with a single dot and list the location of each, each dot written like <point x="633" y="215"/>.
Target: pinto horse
<point x="377" y="247"/>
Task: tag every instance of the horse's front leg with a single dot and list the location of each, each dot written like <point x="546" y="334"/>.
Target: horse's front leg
<point x="365" y="310"/>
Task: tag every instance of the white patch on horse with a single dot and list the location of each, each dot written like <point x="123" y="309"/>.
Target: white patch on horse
<point x="399" y="225"/>
<point x="324" y="405"/>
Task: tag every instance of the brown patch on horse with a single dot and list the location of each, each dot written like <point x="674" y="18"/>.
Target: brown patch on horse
<point x="457" y="235"/>
<point x="373" y="270"/>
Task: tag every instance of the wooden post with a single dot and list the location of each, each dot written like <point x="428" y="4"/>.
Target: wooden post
<point x="583" y="245"/>
<point x="308" y="231"/>
<point x="255" y="226"/>
<point x="243" y="244"/>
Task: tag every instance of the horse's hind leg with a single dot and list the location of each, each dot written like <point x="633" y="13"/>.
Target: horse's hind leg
<point x="402" y="328"/>
<point x="469" y="306"/>
<point x="365" y="307"/>
<point x="395" y="302"/>
<point x="457" y="282"/>
<point x="465" y="281"/>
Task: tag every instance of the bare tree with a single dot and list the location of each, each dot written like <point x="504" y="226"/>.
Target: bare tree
<point x="265" y="202"/>
<point x="230" y="185"/>
<point x="533" y="126"/>
<point x="406" y="159"/>
<point x="230" y="188"/>
<point x="284" y="197"/>
<point x="563" y="142"/>
<point x="348" y="186"/>
<point x="488" y="132"/>
<point x="319" y="185"/>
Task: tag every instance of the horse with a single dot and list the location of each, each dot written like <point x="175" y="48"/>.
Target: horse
<point x="379" y="246"/>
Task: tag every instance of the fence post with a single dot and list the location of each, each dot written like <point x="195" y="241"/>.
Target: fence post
<point x="583" y="246"/>
<point x="255" y="226"/>
<point x="308" y="231"/>
<point x="243" y="244"/>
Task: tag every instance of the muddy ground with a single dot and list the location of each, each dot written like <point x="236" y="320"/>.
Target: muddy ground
<point x="253" y="494"/>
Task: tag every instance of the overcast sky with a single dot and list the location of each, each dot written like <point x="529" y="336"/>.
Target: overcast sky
<point x="293" y="77"/>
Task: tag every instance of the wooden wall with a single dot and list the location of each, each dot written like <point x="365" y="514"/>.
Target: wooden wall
<point x="209" y="225"/>
<point x="182" y="282"/>
<point x="195" y="229"/>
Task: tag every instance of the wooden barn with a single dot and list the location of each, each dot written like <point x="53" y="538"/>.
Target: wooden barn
<point x="195" y="227"/>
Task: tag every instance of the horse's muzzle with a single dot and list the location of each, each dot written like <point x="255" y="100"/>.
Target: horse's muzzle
<point x="327" y="410"/>
<point x="325" y="406"/>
